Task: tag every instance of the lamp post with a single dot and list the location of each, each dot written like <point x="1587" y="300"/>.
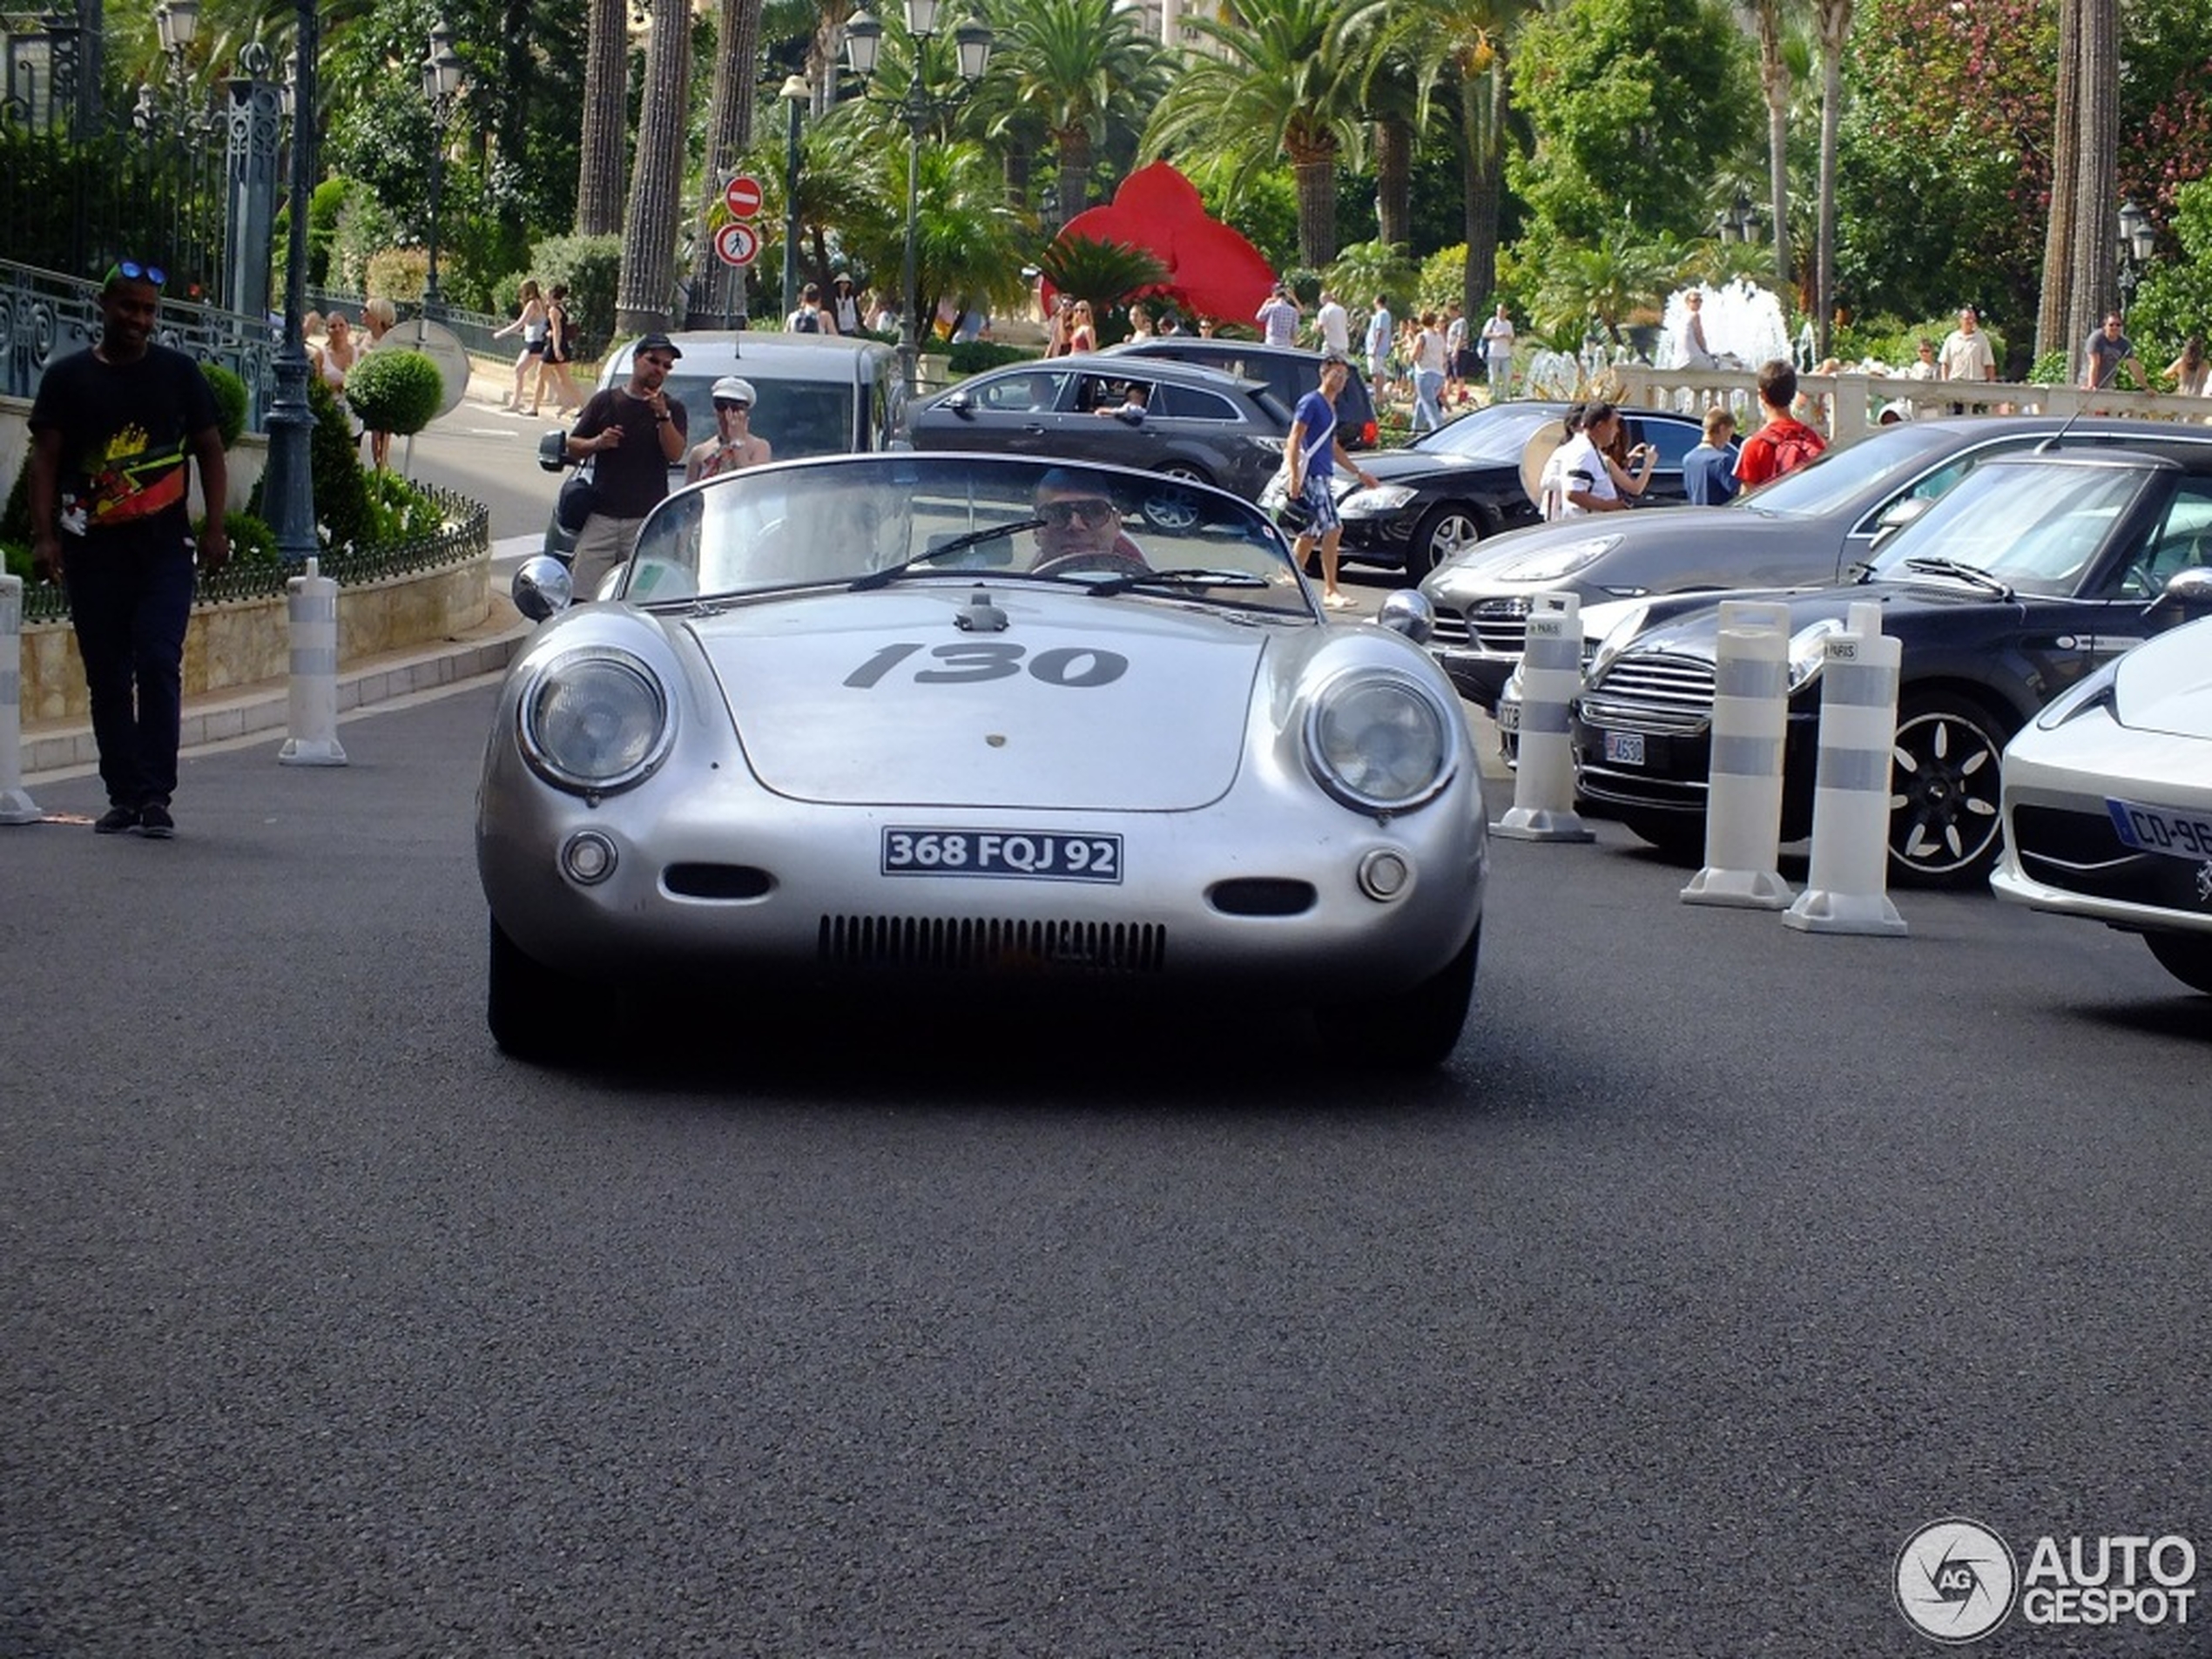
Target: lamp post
<point x="1741" y="218"/>
<point x="288" y="488"/>
<point x="2138" y="242"/>
<point x="794" y="94"/>
<point x="178" y="24"/>
<point x="917" y="107"/>
<point x="444" y="79"/>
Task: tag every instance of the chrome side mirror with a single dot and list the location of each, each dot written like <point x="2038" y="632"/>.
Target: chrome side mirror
<point x="1408" y="612"/>
<point x="1898" y="514"/>
<point x="2192" y="587"/>
<point x="542" y="588"/>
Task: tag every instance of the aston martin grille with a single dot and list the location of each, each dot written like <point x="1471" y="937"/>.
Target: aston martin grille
<point x="1653" y="692"/>
<point x="992" y="945"/>
<point x="1501" y="626"/>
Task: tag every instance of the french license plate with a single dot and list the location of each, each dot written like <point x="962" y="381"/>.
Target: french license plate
<point x="1509" y="717"/>
<point x="2157" y="829"/>
<point x="1032" y="855"/>
<point x="1624" y="748"/>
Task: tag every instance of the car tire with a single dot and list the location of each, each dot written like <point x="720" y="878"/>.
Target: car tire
<point x="1169" y="511"/>
<point x="534" y="1012"/>
<point x="1420" y="1027"/>
<point x="2187" y="957"/>
<point x="1446" y="532"/>
<point x="1680" y="836"/>
<point x="1945" y="825"/>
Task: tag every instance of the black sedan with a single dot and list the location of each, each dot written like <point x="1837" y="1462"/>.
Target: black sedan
<point x="1289" y="372"/>
<point x="1809" y="528"/>
<point x="1451" y="487"/>
<point x="2032" y="572"/>
<point x="1174" y="418"/>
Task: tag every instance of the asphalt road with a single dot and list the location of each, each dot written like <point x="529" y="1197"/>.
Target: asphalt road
<point x="1719" y="1260"/>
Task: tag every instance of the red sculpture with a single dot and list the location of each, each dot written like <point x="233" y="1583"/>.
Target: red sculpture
<point x="1212" y="271"/>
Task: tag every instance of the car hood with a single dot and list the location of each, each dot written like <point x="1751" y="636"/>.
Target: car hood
<point x="830" y="708"/>
<point x="1410" y="466"/>
<point x="2166" y="684"/>
<point x="1689" y="624"/>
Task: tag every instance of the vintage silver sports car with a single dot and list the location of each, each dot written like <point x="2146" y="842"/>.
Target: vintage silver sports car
<point x="2107" y="800"/>
<point x="937" y="719"/>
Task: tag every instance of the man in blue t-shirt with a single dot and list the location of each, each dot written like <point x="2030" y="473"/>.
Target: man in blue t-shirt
<point x="1310" y="455"/>
<point x="1709" y="471"/>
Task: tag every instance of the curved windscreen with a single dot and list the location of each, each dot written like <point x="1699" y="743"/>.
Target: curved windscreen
<point x="868" y="521"/>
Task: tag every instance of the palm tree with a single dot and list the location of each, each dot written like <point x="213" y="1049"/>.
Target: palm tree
<point x="1835" y="18"/>
<point x="647" y="282"/>
<point x="718" y="290"/>
<point x="606" y="117"/>
<point x="1075" y="65"/>
<point x="2077" y="256"/>
<point x="1282" y="83"/>
<point x="1774" y="80"/>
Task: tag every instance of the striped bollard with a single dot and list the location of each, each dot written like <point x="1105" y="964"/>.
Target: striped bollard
<point x="1847" y="891"/>
<point x="313" y="610"/>
<point x="1744" y="793"/>
<point x="1551" y="672"/>
<point x="16" y="805"/>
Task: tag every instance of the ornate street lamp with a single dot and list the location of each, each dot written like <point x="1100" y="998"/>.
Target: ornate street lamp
<point x="2138" y="242"/>
<point x="795" y="93"/>
<point x="288" y="488"/>
<point x="917" y="107"/>
<point x="444" y="80"/>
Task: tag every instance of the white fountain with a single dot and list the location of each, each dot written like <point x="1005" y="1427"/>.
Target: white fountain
<point x="1743" y="321"/>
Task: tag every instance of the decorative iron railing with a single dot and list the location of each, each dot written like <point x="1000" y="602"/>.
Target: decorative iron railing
<point x="464" y="534"/>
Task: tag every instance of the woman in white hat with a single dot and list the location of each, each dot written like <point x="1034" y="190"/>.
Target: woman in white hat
<point x="732" y="446"/>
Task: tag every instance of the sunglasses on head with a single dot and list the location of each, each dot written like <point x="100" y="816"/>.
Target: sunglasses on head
<point x="131" y="271"/>
<point x="1089" y="511"/>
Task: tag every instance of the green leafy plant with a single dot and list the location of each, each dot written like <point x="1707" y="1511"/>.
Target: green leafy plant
<point x="396" y="391"/>
<point x="230" y="401"/>
<point x="1106" y="273"/>
<point x="251" y="540"/>
<point x="589" y="267"/>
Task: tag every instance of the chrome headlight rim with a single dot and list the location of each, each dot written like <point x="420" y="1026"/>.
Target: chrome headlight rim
<point x="546" y="764"/>
<point x="1323" y="704"/>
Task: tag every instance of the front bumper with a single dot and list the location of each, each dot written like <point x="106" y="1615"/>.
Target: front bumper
<point x="1646" y="766"/>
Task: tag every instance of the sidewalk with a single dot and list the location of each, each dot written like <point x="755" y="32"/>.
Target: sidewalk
<point x="56" y="748"/>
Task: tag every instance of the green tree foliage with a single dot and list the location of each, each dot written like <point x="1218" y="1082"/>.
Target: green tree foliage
<point x="1634" y="105"/>
<point x="1106" y="273"/>
<point x="1081" y="67"/>
<point x="2176" y="300"/>
<point x="231" y="400"/>
<point x="396" y="391"/>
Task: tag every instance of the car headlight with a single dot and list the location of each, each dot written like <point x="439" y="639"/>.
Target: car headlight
<point x="595" y="721"/>
<point x="1377" y="742"/>
<point x="1370" y="503"/>
<point x="1809" y="650"/>
<point x="1550" y="562"/>
<point x="2099" y="691"/>
<point x="1616" y="641"/>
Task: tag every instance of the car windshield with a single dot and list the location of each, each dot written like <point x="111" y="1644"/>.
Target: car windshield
<point x="798" y="418"/>
<point x="1847" y="472"/>
<point x="1498" y="433"/>
<point x="868" y="521"/>
<point x="2032" y="526"/>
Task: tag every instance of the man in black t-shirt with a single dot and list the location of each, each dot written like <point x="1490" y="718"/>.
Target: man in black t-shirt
<point x="113" y="430"/>
<point x="633" y="433"/>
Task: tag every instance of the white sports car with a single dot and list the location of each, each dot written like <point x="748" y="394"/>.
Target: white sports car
<point x="2107" y="800"/>
<point x="933" y="719"/>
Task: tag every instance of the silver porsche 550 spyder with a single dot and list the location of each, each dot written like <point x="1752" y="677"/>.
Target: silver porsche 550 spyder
<point x="933" y="719"/>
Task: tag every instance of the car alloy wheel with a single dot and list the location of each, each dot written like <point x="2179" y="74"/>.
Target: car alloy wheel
<point x="1171" y="509"/>
<point x="1446" y="532"/>
<point x="1944" y="817"/>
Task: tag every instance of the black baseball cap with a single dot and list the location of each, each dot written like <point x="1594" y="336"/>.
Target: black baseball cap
<point x="659" y="343"/>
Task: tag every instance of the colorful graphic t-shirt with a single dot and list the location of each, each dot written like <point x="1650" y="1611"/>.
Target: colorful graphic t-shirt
<point x="125" y="429"/>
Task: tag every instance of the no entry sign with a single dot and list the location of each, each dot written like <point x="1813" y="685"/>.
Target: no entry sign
<point x="737" y="243"/>
<point x="742" y="197"/>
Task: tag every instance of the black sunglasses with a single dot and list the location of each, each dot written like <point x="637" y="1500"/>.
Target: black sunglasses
<point x="131" y="271"/>
<point x="1089" y="511"/>
<point x="731" y="403"/>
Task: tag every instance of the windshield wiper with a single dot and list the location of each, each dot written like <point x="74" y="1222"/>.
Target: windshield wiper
<point x="1972" y="574"/>
<point x="1177" y="579"/>
<point x="891" y="573"/>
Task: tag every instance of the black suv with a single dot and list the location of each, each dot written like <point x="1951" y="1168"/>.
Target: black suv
<point x="1284" y="370"/>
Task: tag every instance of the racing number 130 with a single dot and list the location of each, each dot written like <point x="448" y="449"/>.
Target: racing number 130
<point x="968" y="662"/>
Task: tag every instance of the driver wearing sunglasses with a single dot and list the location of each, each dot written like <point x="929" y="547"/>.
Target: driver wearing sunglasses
<point x="1080" y="529"/>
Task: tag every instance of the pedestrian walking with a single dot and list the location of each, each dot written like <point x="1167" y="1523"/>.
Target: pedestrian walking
<point x="1310" y="455"/>
<point x="1497" y="353"/>
<point x="529" y="322"/>
<point x="113" y="430"/>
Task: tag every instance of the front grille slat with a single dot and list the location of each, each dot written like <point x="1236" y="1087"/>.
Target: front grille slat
<point x="1654" y="691"/>
<point x="1037" y="947"/>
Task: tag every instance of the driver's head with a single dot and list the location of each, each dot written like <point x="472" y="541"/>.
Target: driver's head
<point x="1079" y="515"/>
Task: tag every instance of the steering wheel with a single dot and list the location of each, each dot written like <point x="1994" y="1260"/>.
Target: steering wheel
<point x="1118" y="560"/>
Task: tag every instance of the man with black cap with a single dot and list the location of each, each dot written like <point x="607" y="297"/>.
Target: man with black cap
<point x="632" y="434"/>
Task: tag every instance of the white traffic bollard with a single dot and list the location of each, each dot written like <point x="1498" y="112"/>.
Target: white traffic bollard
<point x="1846" y="892"/>
<point x="1744" y="793"/>
<point x="1551" y="672"/>
<point x="16" y="806"/>
<point x="313" y="611"/>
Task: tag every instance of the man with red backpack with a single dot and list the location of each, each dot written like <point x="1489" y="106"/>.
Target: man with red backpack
<point x="1784" y="443"/>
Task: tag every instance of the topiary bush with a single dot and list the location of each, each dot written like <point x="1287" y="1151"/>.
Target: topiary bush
<point x="251" y="540"/>
<point x="334" y="472"/>
<point x="396" y="391"/>
<point x="230" y="401"/>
